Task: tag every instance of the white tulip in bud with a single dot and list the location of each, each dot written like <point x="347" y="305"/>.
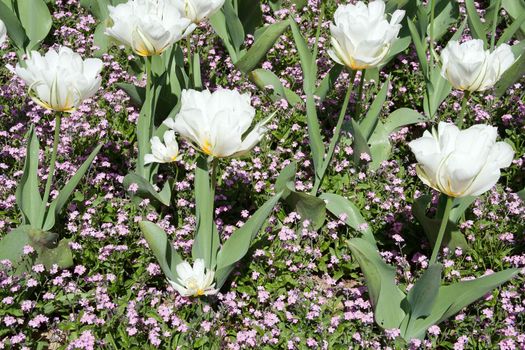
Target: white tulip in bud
<point x="3" y="32"/>
<point x="166" y="152"/>
<point x="216" y="122"/>
<point x="198" y="10"/>
<point x="468" y="66"/>
<point x="60" y="80"/>
<point x="461" y="163"/>
<point x="148" y="26"/>
<point x="194" y="281"/>
<point x="361" y="34"/>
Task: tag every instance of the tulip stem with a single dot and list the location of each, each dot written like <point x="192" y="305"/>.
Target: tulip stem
<point x="336" y="136"/>
<point x="50" y="175"/>
<point x="190" y="60"/>
<point x="463" y="112"/>
<point x="359" y="96"/>
<point x="145" y="124"/>
<point x="214" y="164"/>
<point x="494" y="25"/>
<point x="442" y="228"/>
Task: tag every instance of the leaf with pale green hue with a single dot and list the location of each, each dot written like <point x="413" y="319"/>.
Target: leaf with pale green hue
<point x="60" y="255"/>
<point x="36" y="20"/>
<point x="28" y="196"/>
<point x="236" y="247"/>
<point x="453" y="298"/>
<point x="218" y="23"/>
<point x="61" y="200"/>
<point x="197" y="80"/>
<point x="369" y="122"/>
<point x="398" y="46"/>
<point x="286" y="180"/>
<point x="459" y="206"/>
<point x="515" y="8"/>
<point x="12" y="244"/>
<point x="420" y="45"/>
<point x="509" y="32"/>
<point x="438" y="90"/>
<point x="447" y="13"/>
<point x="360" y="143"/>
<point x="306" y="57"/>
<point x="264" y="78"/>
<point x="206" y="241"/>
<point x="309" y="207"/>
<point x="423" y="294"/>
<point x="385" y="296"/>
<point x="452" y="238"/>
<point x="339" y="205"/>
<point x="328" y="82"/>
<point x="14" y="28"/>
<point x="250" y="14"/>
<point x="261" y="46"/>
<point x="233" y="26"/>
<point x="521" y="194"/>
<point x="402" y="117"/>
<point x="146" y="190"/>
<point x="158" y="242"/>
<point x="380" y="146"/>
<point x="476" y="26"/>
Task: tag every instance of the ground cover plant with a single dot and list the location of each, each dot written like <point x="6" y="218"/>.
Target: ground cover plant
<point x="245" y="174"/>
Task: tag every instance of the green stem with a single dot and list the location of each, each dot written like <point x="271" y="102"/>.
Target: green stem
<point x="189" y="58"/>
<point x="335" y="137"/>
<point x="442" y="228"/>
<point x="494" y="25"/>
<point x="463" y="111"/>
<point x="359" y="97"/>
<point x="50" y="175"/>
<point x="145" y="123"/>
<point x="431" y="34"/>
<point x="214" y="166"/>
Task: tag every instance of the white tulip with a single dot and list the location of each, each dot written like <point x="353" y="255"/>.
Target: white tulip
<point x="3" y="32"/>
<point x="166" y="152"/>
<point x="148" y="26"/>
<point x="461" y="163"/>
<point x="194" y="281"/>
<point x="468" y="66"/>
<point x="61" y="79"/>
<point x="215" y="122"/>
<point x="362" y="35"/>
<point x="198" y="10"/>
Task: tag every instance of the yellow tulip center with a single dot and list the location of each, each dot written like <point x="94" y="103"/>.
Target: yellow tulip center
<point x="206" y="147"/>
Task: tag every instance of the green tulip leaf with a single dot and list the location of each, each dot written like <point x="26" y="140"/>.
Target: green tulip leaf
<point x="146" y="189"/>
<point x="475" y="24"/>
<point x="206" y="241"/>
<point x="238" y="244"/>
<point x="158" y="242"/>
<point x="339" y="205"/>
<point x="60" y="255"/>
<point x="511" y="75"/>
<point x="36" y="20"/>
<point x="424" y="292"/>
<point x="386" y="298"/>
<point x="14" y="28"/>
<point x="369" y="122"/>
<point x="286" y="180"/>
<point x="328" y="82"/>
<point x="28" y="196"/>
<point x="12" y="244"/>
<point x="438" y="90"/>
<point x="309" y="207"/>
<point x="420" y="45"/>
<point x="264" y="78"/>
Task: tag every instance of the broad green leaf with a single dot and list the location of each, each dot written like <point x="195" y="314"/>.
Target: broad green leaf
<point x="339" y="205"/>
<point x="423" y="294"/>
<point x="61" y="200"/>
<point x="206" y="241"/>
<point x="511" y="75"/>
<point x="197" y="80"/>
<point x="101" y="40"/>
<point x="93" y="7"/>
<point x="60" y="255"/>
<point x="439" y="89"/>
<point x="457" y="35"/>
<point x="385" y="296"/>
<point x="158" y="242"/>
<point x="264" y="78"/>
<point x="452" y="238"/>
<point x="402" y="117"/>
<point x="515" y="9"/>
<point x="453" y="298"/>
<point x="14" y="28"/>
<point x="360" y="144"/>
<point x="421" y="47"/>
<point x="236" y="247"/>
<point x="369" y="122"/>
<point x="305" y="55"/>
<point x="218" y="22"/>
<point x="521" y="194"/>
<point x="447" y="15"/>
<point x="144" y="189"/>
<point x="234" y="26"/>
<point x="476" y="26"/>
<point x="286" y="179"/>
<point x="261" y="46"/>
<point x="309" y="207"/>
<point x="35" y="18"/>
<point x="328" y="82"/>
<point x="12" y="244"/>
<point x="458" y="209"/>
<point x="250" y="14"/>
<point x="379" y="146"/>
<point x="509" y="32"/>
<point x="28" y="196"/>
<point x="398" y="46"/>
